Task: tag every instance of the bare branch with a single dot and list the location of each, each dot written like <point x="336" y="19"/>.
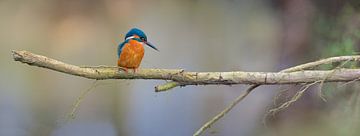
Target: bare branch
<point x="179" y="77"/>
<point x="188" y="78"/>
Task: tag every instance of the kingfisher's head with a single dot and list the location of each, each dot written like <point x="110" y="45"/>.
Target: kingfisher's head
<point x="139" y="35"/>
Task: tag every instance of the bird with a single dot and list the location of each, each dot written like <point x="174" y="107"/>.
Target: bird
<point x="131" y="51"/>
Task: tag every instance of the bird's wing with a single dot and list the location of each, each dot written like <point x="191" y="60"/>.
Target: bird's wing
<point x="121" y="46"/>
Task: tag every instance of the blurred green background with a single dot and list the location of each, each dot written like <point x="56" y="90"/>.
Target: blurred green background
<point x="196" y="35"/>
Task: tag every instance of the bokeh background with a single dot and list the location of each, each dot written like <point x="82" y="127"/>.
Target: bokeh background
<point x="196" y="35"/>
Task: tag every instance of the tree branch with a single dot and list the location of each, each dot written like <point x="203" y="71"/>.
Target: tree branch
<point x="188" y="78"/>
<point x="310" y="65"/>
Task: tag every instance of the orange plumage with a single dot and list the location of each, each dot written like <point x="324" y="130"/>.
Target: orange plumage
<point x="131" y="55"/>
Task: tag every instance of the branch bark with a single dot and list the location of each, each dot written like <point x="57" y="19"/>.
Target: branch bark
<point x="189" y="78"/>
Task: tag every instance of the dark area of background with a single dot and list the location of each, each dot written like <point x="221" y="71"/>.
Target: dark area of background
<point x="196" y="35"/>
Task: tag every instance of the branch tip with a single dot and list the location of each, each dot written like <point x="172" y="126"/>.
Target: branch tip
<point x="16" y="55"/>
<point x="167" y="86"/>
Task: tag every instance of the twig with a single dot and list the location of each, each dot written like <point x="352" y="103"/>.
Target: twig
<point x="281" y="92"/>
<point x="226" y="110"/>
<point x="76" y="104"/>
<point x="166" y="86"/>
<point x="296" y="97"/>
<point x="344" y="84"/>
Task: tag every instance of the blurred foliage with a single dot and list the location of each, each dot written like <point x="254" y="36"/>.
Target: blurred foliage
<point x="337" y="35"/>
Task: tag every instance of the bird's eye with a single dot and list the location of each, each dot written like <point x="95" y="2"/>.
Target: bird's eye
<point x="142" y="38"/>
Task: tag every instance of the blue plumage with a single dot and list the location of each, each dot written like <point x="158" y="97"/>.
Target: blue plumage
<point x="120" y="46"/>
<point x="138" y="32"/>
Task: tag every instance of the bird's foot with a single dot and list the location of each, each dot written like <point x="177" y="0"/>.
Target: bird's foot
<point x="123" y="69"/>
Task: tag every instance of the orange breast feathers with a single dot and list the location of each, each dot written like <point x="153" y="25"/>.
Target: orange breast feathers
<point x="131" y="55"/>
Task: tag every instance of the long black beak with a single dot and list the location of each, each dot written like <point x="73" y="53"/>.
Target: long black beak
<point x="151" y="45"/>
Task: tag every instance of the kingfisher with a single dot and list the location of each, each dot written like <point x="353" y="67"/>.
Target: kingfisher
<point x="131" y="51"/>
